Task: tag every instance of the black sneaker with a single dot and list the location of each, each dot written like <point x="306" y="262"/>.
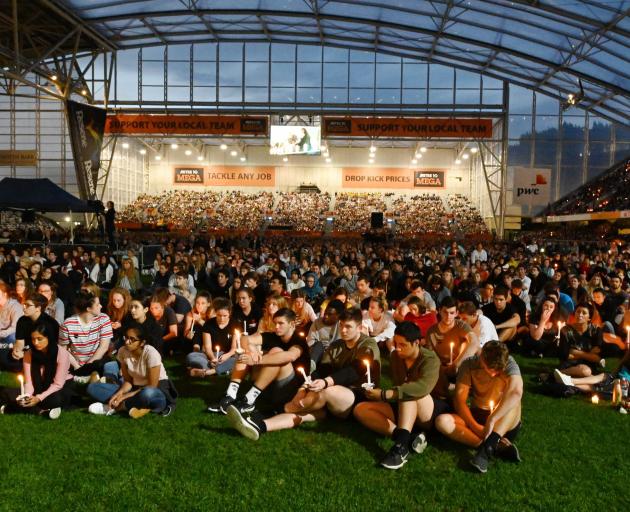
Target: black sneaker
<point x="246" y="428"/>
<point x="508" y="452"/>
<point x="243" y="407"/>
<point x="396" y="457"/>
<point x="481" y="460"/>
<point x="221" y="406"/>
<point x="419" y="443"/>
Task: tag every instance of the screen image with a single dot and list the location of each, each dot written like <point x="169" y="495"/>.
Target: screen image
<point x="295" y="140"/>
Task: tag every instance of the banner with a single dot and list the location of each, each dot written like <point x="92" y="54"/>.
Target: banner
<point x="407" y="127"/>
<point x="532" y="187"/>
<point x="188" y="175"/>
<point x="429" y="178"/>
<point x="186" y="125"/>
<point x="86" y="124"/>
<point x="241" y="177"/>
<point x="18" y="157"/>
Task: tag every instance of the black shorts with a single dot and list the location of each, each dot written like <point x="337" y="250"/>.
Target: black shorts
<point x="281" y="392"/>
<point x="439" y="407"/>
<point x="595" y="367"/>
<point x="480" y="415"/>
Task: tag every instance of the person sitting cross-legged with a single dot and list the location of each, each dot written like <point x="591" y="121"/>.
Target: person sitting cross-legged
<point x="415" y="371"/>
<point x="337" y="384"/>
<point x="492" y="380"/>
<point x="273" y="360"/>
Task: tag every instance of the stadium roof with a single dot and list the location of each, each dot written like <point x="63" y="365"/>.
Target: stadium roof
<point x="546" y="45"/>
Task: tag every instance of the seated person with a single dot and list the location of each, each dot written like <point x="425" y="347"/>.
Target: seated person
<point x="34" y="305"/>
<point x="139" y="314"/>
<point x="166" y="319"/>
<point x="414" y="372"/>
<point x="303" y="311"/>
<point x="580" y="344"/>
<point x="195" y="319"/>
<point x="421" y="316"/>
<point x="418" y="291"/>
<point x="246" y="312"/>
<point x="336" y="387"/>
<point x="48" y="384"/>
<point x="218" y="346"/>
<point x="10" y="312"/>
<point x="481" y="325"/>
<point x="181" y="287"/>
<point x="502" y="314"/>
<point x="544" y="329"/>
<point x="492" y="381"/>
<point x="453" y="341"/>
<point x="378" y="322"/>
<point x="87" y="336"/>
<point x="145" y="387"/>
<point x="324" y="330"/>
<point x="273" y="303"/>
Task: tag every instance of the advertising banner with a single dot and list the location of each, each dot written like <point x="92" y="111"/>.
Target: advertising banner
<point x="461" y="128"/>
<point x="18" y="157"/>
<point x="532" y="187"/>
<point x="240" y="177"/>
<point x="86" y="125"/>
<point x="186" y="125"/>
<point x="429" y="178"/>
<point x="392" y="178"/>
<point x="188" y="175"/>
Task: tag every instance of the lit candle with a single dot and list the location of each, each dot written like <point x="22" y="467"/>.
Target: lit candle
<point x="366" y="362"/>
<point x="307" y="379"/>
<point x="237" y="337"/>
<point x="560" y="326"/>
<point x="21" y="379"/>
<point x="218" y="348"/>
<point x="491" y="406"/>
<point x="245" y="327"/>
<point x="628" y="338"/>
<point x="452" y="347"/>
<point x="595" y="399"/>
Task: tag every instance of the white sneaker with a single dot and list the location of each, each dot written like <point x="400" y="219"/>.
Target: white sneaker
<point x="2" y="408"/>
<point x="82" y="380"/>
<point x="53" y="414"/>
<point x="602" y="363"/>
<point x="561" y="378"/>
<point x="101" y="409"/>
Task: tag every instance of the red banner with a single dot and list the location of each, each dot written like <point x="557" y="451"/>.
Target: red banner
<point x="420" y="128"/>
<point x="178" y="124"/>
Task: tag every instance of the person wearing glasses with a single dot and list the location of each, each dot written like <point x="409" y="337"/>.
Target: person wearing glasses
<point x="145" y="387"/>
<point x="34" y="305"/>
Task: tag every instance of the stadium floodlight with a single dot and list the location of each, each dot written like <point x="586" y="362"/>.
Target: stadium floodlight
<point x="465" y="156"/>
<point x="414" y="161"/>
<point x="423" y="149"/>
<point x="233" y="153"/>
<point x="143" y="151"/>
<point x="199" y="158"/>
<point x="418" y="156"/>
<point x="243" y="159"/>
<point x="473" y="150"/>
<point x="53" y="77"/>
<point x="188" y="152"/>
<point x="174" y="146"/>
<point x="328" y="160"/>
<point x="223" y="147"/>
<point x="285" y="159"/>
<point x="125" y="145"/>
<point x="372" y="149"/>
<point x="574" y="98"/>
<point x="158" y="157"/>
<point x="371" y="161"/>
<point x="458" y="161"/>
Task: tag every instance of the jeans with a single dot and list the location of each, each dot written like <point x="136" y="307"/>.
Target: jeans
<point x="147" y="398"/>
<point x="200" y="360"/>
<point x="111" y="371"/>
<point x="8" y="339"/>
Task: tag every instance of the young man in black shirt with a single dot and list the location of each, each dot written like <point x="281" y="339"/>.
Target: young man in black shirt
<point x="502" y="314"/>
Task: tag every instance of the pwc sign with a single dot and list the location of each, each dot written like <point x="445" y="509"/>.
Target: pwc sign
<point x="531" y="186"/>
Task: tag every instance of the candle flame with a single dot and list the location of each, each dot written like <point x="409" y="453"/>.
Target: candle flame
<point x="20" y="378"/>
<point x="217" y="348"/>
<point x="491" y="405"/>
<point x="595" y="399"/>
<point x="366" y="362"/>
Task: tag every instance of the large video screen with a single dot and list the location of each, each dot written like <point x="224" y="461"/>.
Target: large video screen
<point x="295" y="140"/>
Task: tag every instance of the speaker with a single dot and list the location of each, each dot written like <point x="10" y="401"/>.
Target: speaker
<point x="28" y="216"/>
<point x="376" y="220"/>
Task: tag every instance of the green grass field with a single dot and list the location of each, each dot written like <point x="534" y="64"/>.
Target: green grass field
<point x="575" y="458"/>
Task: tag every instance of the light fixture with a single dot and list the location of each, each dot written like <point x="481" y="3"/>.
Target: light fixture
<point x="233" y="153"/>
<point x="418" y="156"/>
<point x="174" y="146"/>
<point x="574" y="98"/>
<point x="53" y="77"/>
<point x="125" y="145"/>
<point x="143" y="151"/>
<point x="243" y="159"/>
<point x="223" y="147"/>
<point x="423" y="149"/>
<point x="67" y="219"/>
<point x="458" y="161"/>
<point x="188" y="152"/>
<point x="328" y="160"/>
<point x="372" y="149"/>
<point x="465" y="156"/>
<point x="473" y="150"/>
<point x="158" y="157"/>
<point x="414" y="161"/>
<point x="84" y="92"/>
<point x="285" y="159"/>
<point x="199" y="158"/>
<point x="371" y="161"/>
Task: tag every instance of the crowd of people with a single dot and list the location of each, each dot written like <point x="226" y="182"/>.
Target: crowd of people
<point x="420" y="213"/>
<point x="465" y="217"/>
<point x="304" y="329"/>
<point x="608" y="192"/>
<point x="305" y="212"/>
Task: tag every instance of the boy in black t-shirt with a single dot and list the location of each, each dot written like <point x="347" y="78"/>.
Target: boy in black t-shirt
<point x="503" y="316"/>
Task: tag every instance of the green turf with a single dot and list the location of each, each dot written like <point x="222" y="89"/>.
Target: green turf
<point x="575" y="458"/>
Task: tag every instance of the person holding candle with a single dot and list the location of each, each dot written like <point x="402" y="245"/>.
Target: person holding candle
<point x="145" y="386"/>
<point x="246" y="312"/>
<point x="273" y="359"/>
<point x="414" y="372"/>
<point x="336" y="386"/>
<point x="47" y="385"/>
<point x="439" y="338"/>
<point x="216" y="332"/>
<point x="34" y="305"/>
<point x="87" y="335"/>
<point x="379" y="323"/>
<point x="195" y="319"/>
<point x="324" y="330"/>
<point x="544" y="326"/>
<point x="493" y="376"/>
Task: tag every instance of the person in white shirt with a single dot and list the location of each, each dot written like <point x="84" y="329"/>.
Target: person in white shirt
<point x="481" y="325"/>
<point x="479" y="254"/>
<point x="295" y="283"/>
<point x="378" y="322"/>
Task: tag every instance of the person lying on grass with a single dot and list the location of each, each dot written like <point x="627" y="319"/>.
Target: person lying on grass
<point x="145" y="388"/>
<point x="602" y="383"/>
<point x="274" y="360"/>
<point x="48" y="383"/>
<point x="219" y="346"/>
<point x="492" y="380"/>
<point x="395" y="412"/>
<point x="337" y="384"/>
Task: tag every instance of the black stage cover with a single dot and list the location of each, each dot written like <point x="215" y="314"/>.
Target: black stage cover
<point x="41" y="195"/>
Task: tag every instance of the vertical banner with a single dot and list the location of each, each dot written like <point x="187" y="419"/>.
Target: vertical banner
<point x="532" y="187"/>
<point x="86" y="125"/>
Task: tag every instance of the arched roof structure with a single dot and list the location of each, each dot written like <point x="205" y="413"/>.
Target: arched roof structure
<point x="547" y="46"/>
